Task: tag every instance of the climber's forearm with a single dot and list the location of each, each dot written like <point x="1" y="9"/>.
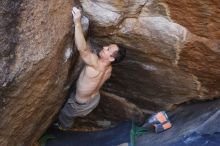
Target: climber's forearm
<point x="80" y="39"/>
<point x="88" y="57"/>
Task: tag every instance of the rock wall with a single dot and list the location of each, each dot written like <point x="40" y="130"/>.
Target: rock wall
<point x="35" y="46"/>
<point x="172" y="57"/>
<point x="173" y="49"/>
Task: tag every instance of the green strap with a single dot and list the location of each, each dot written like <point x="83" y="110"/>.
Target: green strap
<point x="136" y="131"/>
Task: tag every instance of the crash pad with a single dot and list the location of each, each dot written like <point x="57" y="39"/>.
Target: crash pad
<point x="194" y="124"/>
<point x="109" y="137"/>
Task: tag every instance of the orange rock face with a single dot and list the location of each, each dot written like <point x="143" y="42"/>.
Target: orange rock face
<point x="34" y="70"/>
<point x="200" y="55"/>
<point x="199" y="17"/>
<point x="173" y="49"/>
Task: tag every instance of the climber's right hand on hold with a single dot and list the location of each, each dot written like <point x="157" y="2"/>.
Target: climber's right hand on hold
<point x="76" y="14"/>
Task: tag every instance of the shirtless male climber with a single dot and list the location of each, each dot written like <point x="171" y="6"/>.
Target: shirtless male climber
<point x="96" y="71"/>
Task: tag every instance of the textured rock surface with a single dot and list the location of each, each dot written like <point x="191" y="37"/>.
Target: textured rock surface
<point x="173" y="57"/>
<point x="173" y="49"/>
<point x="34" y="65"/>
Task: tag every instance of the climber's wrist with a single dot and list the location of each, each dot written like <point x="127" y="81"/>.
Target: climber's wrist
<point x="77" y="23"/>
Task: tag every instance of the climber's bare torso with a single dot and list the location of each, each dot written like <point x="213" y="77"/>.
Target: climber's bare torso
<point x="90" y="81"/>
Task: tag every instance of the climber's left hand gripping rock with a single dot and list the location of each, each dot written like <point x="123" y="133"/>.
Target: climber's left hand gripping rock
<point x="76" y="14"/>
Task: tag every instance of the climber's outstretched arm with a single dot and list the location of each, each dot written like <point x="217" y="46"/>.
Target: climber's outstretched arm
<point x="85" y="52"/>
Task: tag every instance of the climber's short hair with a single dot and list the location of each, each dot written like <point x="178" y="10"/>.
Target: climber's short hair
<point x="120" y="54"/>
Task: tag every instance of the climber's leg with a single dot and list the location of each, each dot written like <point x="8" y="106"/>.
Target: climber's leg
<point x="74" y="109"/>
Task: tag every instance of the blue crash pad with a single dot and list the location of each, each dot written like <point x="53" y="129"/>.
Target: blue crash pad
<point x="197" y="139"/>
<point x="110" y="137"/>
<point x="193" y="125"/>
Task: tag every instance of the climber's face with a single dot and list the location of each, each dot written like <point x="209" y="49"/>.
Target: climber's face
<point x="108" y="52"/>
